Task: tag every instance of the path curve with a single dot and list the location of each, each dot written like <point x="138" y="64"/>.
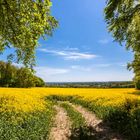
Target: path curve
<point x="62" y="125"/>
<point x="102" y="132"/>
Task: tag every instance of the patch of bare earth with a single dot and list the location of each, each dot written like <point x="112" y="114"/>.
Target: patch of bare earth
<point x="62" y="125"/>
<point x="100" y="130"/>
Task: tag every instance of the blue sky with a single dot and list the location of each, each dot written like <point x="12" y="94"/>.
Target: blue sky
<point x="81" y="49"/>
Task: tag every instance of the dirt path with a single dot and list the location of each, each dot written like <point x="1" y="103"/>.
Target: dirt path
<point x="62" y="125"/>
<point x="101" y="131"/>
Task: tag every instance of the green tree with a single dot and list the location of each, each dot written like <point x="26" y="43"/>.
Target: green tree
<point x="39" y="82"/>
<point x="24" y="78"/>
<point x="2" y="73"/>
<point x="12" y="76"/>
<point x="22" y="23"/>
<point x="123" y="19"/>
<point x="7" y="74"/>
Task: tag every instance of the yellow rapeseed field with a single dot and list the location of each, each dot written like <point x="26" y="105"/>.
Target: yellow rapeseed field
<point x="28" y="113"/>
<point x="28" y="100"/>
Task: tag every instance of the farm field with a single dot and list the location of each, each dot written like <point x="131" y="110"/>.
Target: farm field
<point x="64" y="71"/>
<point x="45" y="113"/>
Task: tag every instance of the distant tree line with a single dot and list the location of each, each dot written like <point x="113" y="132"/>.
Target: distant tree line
<point x="12" y="76"/>
<point x="121" y="84"/>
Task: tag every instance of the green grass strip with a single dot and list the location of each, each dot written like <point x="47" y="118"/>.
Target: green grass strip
<point x="76" y="117"/>
<point x="79" y="128"/>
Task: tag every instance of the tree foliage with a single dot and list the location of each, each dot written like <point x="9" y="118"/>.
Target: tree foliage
<point x="123" y="19"/>
<point x="22" y="23"/>
<point x="12" y="76"/>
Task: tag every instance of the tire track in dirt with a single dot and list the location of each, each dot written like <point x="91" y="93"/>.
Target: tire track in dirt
<point x="62" y="125"/>
<point x="98" y="128"/>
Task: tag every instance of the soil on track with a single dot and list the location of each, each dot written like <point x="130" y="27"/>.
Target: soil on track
<point x="62" y="125"/>
<point x="100" y="130"/>
<point x="61" y="129"/>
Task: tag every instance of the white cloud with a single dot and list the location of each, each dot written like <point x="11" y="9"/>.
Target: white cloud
<point x="67" y="48"/>
<point x="76" y="74"/>
<point x="50" y="71"/>
<point x="104" y="41"/>
<point x="95" y="66"/>
<point x="122" y="64"/>
<point x="70" y="55"/>
<point x="82" y="73"/>
<point x="81" y="68"/>
<point x="103" y="65"/>
<point x="75" y="66"/>
<point x="76" y="55"/>
<point x="47" y="73"/>
<point x="89" y="68"/>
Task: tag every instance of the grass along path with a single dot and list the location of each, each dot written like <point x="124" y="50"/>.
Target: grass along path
<point x="79" y="130"/>
<point x="62" y="125"/>
<point x="80" y="124"/>
<point x="101" y="131"/>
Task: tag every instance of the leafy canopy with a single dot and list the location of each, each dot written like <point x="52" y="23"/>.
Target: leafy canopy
<point x="22" y="23"/>
<point x="123" y="19"/>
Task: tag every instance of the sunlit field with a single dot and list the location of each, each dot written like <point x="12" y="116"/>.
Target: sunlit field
<point x="30" y="112"/>
<point x="28" y="100"/>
